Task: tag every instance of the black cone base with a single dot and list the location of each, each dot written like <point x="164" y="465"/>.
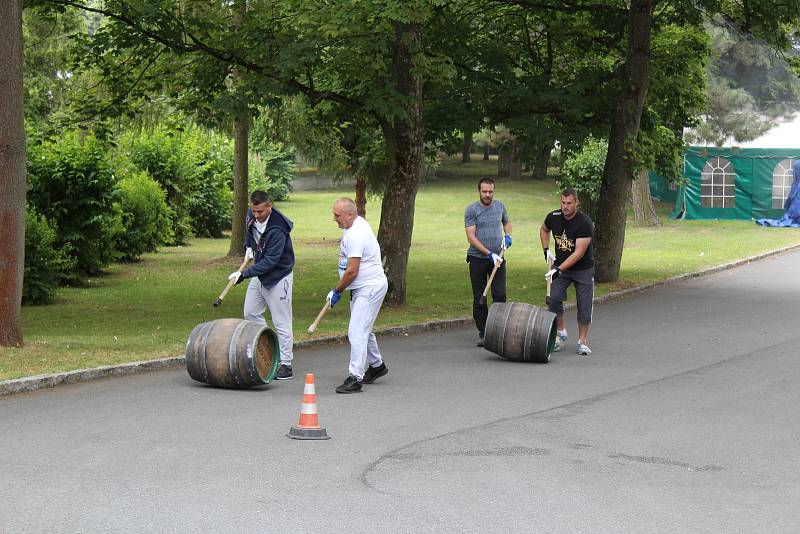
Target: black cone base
<point x="307" y="433"/>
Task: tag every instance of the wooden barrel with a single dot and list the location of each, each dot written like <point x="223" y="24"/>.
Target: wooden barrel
<point x="521" y="332"/>
<point x="232" y="353"/>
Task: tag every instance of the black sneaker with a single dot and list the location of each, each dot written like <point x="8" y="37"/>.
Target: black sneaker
<point x="374" y="373"/>
<point x="350" y="385"/>
<point x="284" y="372"/>
<point x="480" y="342"/>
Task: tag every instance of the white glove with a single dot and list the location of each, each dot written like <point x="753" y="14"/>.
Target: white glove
<point x="235" y="276"/>
<point x="550" y="255"/>
<point x="248" y="254"/>
<point x="497" y="260"/>
<point x="553" y="273"/>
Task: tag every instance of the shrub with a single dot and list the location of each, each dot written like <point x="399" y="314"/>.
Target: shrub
<point x="145" y="216"/>
<point x="211" y="201"/>
<point x="584" y="172"/>
<point x="272" y="171"/>
<point x="70" y="181"/>
<point x="45" y="265"/>
<point x="160" y="154"/>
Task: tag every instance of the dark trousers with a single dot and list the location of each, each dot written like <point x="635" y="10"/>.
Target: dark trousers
<point x="479" y="271"/>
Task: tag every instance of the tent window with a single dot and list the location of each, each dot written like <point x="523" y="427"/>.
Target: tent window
<point x="781" y="183"/>
<point x="718" y="184"/>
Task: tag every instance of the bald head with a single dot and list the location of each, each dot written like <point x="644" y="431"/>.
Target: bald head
<point x="344" y="212"/>
<point x="346" y="204"/>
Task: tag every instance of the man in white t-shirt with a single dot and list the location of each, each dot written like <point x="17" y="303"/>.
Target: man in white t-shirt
<point x="361" y="272"/>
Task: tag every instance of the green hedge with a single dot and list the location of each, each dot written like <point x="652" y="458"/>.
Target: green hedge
<point x="45" y="265"/>
<point x="70" y="182"/>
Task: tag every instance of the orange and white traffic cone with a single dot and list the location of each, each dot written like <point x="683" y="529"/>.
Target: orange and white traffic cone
<point x="308" y="425"/>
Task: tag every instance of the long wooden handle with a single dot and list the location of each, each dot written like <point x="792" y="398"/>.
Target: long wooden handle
<point x="320" y="315"/>
<point x="491" y="277"/>
<point x="231" y="283"/>
<point x="549" y="278"/>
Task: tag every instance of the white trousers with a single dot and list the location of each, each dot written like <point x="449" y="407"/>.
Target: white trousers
<point x="279" y="301"/>
<point x="365" y="303"/>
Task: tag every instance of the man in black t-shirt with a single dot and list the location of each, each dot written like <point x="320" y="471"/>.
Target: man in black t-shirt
<point x="573" y="263"/>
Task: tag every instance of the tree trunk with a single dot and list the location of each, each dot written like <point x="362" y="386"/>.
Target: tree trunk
<point x="486" y="151"/>
<point x="504" y="161"/>
<point x="620" y="163"/>
<point x="466" y="149"/>
<point x="542" y="161"/>
<point x="644" y="214"/>
<point x="241" y="151"/>
<point x="241" y="131"/>
<point x="361" y="195"/>
<point x="403" y="137"/>
<point x="515" y="167"/>
<point x="12" y="175"/>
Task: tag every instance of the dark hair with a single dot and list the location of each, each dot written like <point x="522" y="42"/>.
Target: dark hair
<point x="569" y="192"/>
<point x="260" y="197"/>
<point x="485" y="181"/>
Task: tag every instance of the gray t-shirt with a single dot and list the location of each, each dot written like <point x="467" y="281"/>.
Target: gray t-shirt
<point x="488" y="223"/>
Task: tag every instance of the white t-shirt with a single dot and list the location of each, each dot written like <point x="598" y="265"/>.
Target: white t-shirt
<point x="358" y="241"/>
<point x="258" y="228"/>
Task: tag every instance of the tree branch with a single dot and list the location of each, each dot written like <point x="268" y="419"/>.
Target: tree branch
<point x="198" y="46"/>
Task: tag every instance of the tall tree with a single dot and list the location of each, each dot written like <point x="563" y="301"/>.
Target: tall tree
<point x="621" y="162"/>
<point x="241" y="153"/>
<point x="403" y="136"/>
<point x="12" y="174"/>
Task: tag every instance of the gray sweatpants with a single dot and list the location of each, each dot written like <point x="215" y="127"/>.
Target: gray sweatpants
<point x="279" y="301"/>
<point x="584" y="293"/>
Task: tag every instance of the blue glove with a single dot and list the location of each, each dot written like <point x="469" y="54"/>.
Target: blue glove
<point x="333" y="297"/>
<point x="508" y="241"/>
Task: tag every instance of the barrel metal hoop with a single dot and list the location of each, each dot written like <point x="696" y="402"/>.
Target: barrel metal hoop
<point x="490" y="320"/>
<point x="189" y="342"/>
<point x="232" y="350"/>
<point x="526" y="348"/>
<point x="502" y="344"/>
<point x="203" y="368"/>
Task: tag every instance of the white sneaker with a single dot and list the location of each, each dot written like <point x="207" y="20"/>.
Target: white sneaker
<point x="561" y="339"/>
<point x="583" y="349"/>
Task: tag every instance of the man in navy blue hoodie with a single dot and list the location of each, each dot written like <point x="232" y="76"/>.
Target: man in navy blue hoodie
<point x="269" y="244"/>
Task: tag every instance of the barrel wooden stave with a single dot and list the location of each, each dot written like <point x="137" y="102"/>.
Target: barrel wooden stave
<point x="232" y="353"/>
<point x="520" y="332"/>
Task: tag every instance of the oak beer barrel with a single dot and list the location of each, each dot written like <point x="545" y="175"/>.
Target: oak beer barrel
<point x="232" y="353"/>
<point x="521" y="332"/>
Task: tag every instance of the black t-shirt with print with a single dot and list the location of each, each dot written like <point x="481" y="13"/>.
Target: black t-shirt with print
<point x="565" y="232"/>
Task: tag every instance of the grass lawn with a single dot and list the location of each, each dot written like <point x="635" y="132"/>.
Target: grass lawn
<point x="146" y="310"/>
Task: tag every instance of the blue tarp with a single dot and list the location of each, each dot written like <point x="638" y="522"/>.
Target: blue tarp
<point x="791" y="216"/>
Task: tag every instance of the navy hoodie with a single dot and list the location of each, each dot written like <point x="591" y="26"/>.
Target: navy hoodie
<point x="274" y="254"/>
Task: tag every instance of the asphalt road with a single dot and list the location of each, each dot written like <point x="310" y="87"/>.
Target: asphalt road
<point x="685" y="419"/>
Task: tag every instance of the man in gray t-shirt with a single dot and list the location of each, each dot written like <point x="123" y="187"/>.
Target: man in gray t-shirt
<point x="488" y="233"/>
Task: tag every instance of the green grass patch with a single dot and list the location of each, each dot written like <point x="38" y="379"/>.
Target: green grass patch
<point x="146" y="310"/>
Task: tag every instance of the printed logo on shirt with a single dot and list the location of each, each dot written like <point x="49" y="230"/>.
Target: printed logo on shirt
<point x="564" y="243"/>
<point x="342" y="257"/>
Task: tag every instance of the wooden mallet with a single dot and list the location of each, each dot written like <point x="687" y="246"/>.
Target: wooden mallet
<point x="231" y="283"/>
<point x="320" y="315"/>
<point x="491" y="277"/>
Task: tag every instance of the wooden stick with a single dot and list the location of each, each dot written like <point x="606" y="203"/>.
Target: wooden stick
<point x="320" y="315"/>
<point x="549" y="279"/>
<point x="491" y="277"/>
<point x="231" y="283"/>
